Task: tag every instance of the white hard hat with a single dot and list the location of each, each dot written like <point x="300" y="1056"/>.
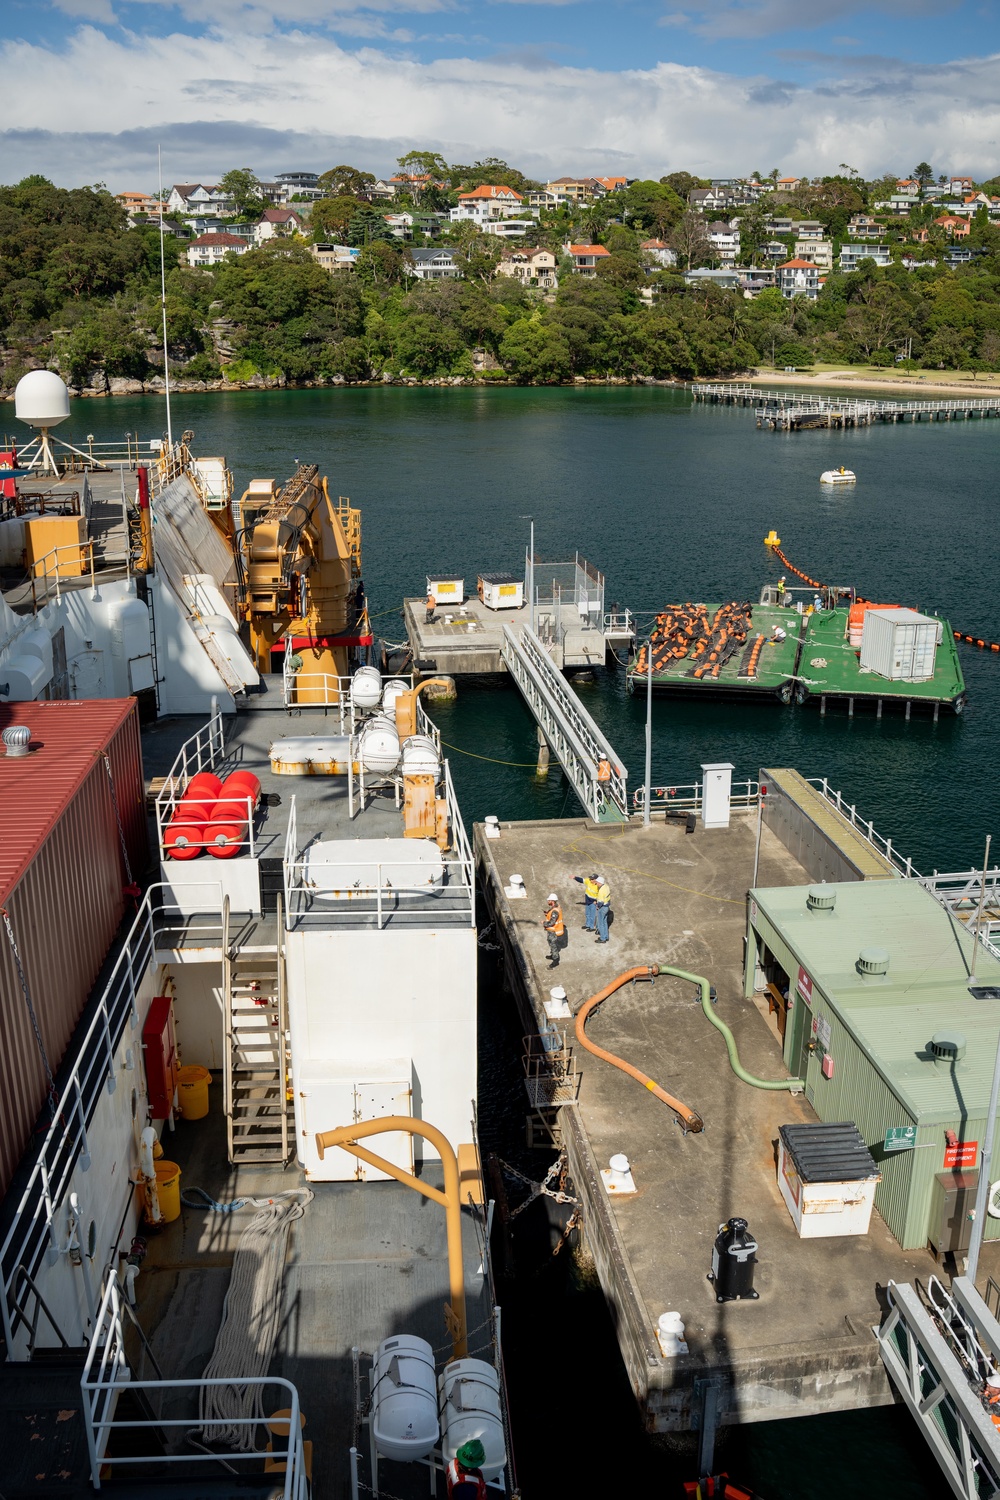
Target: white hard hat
<point x="601" y="879"/>
<point x="554" y="897"/>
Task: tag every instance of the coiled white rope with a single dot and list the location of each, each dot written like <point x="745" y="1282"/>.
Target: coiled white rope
<point x="250" y="1320"/>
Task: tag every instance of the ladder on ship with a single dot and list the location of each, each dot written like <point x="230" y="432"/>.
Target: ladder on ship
<point x="584" y="751"/>
<point x="256" y="1049"/>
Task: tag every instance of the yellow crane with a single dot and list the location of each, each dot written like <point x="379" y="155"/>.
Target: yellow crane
<point x="301" y="556"/>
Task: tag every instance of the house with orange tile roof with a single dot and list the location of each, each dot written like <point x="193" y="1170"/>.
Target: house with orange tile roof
<point x="486" y="202"/>
<point x="953" y="225"/>
<point x="586" y="258"/>
<point x="798" y="278"/>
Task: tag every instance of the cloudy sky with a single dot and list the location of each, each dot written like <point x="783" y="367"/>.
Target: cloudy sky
<point x="640" y="87"/>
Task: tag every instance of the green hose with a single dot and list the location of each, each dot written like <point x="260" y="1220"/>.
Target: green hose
<point x="734" y="1057"/>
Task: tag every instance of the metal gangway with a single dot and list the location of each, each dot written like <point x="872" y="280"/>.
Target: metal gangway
<point x="940" y="1351"/>
<point x="592" y="767"/>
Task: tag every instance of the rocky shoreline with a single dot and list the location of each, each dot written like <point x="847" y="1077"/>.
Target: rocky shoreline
<point x="117" y="386"/>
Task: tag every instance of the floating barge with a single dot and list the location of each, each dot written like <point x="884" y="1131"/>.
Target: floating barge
<point x="771" y="650"/>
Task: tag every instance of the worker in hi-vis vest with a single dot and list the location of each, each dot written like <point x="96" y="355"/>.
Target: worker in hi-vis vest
<point x="552" y="921"/>
<point x="602" y="908"/>
<point x="463" y="1475"/>
<point x="591" y="885"/>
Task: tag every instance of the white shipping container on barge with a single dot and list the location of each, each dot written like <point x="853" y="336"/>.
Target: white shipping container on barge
<point x="900" y="644"/>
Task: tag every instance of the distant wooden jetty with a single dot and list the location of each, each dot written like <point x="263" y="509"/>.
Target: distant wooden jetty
<point x="792" y="411"/>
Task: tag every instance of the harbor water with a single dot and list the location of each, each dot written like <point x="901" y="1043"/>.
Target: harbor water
<point x="671" y="501"/>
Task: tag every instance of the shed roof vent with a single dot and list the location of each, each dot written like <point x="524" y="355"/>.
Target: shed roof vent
<point x="17" y="739"/>
<point x="821" y="898"/>
<point x="872" y="961"/>
<point x="947" y="1046"/>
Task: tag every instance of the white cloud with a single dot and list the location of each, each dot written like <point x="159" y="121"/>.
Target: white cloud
<point x="294" y="98"/>
<point x="756" y="18"/>
<point x="87" y="10"/>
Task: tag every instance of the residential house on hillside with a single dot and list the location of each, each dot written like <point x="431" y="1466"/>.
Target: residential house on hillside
<point x="778" y="224"/>
<point x="907" y="187"/>
<point x="275" y="222"/>
<point x="808" y="229"/>
<point x="585" y="258"/>
<point x="788" y="184"/>
<point x="726" y="279"/>
<point x="864" y="227"/>
<point x="335" y="257"/>
<point x="774" y="250"/>
<point x="198" y="197"/>
<point x="529" y="265"/>
<point x="510" y="229"/>
<point x="961" y="255"/>
<point x="710" y="200"/>
<point x="658" y="250"/>
<point x="577" y="189"/>
<point x="820" y="252"/>
<point x="851" y="256"/>
<point x="724" y="239"/>
<point x="614" y="184"/>
<point x="210" y="249"/>
<point x="486" y="202"/>
<point x="432" y="265"/>
<point x="799" y="278"/>
<point x="960" y="185"/>
<point x="953" y="225"/>
<point x="380" y="191"/>
<point x="301" y="184"/>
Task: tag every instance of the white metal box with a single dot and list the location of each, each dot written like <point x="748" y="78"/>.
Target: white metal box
<point x="501" y="590"/>
<point x="446" y="590"/>
<point x="716" y="791"/>
<point x="899" y="644"/>
<point x="332" y="1093"/>
<point x="824" y="1202"/>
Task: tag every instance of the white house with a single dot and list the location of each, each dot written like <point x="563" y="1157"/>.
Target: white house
<point x="799" y="278"/>
<point x="658" y="251"/>
<point x="851" y="256"/>
<point x="199" y="197"/>
<point x="726" y="279"/>
<point x="432" y="265"/>
<point x="820" y="252"/>
<point x="586" y="257"/>
<point x="725" y="241"/>
<point x="275" y="222"/>
<point x="486" y="202"/>
<point x="210" y="249"/>
<point x="510" y="229"/>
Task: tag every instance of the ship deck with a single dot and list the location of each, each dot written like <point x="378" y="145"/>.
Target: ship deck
<point x="366" y="1261"/>
<point x="806" y="1347"/>
<point x="106" y="529"/>
<point x="830" y="667"/>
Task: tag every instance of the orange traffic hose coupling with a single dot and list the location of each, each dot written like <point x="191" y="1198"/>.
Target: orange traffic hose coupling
<point x="687" y="1119"/>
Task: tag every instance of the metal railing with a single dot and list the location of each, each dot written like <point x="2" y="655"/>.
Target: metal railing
<point x="32" y="1230"/>
<point x="744" y="795"/>
<point x="585" y="753"/>
<point x="106" y="1376"/>
<point x="814" y="401"/>
<point x="865" y="828"/>
<point x="960" y="893"/>
<point x="202" y="751"/>
<point x="372" y="892"/>
<point x="327" y="690"/>
<point x="56" y="574"/>
<point x="621" y="623"/>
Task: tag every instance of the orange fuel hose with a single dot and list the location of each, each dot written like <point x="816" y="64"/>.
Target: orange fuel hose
<point x="687" y="1119"/>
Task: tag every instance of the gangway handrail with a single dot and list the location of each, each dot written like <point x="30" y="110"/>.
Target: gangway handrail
<point x="584" y="751"/>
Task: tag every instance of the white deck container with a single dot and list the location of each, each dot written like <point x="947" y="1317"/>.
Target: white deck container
<point x="446" y="590"/>
<point x="827" y="1177"/>
<point x="899" y="644"/>
<point x="501" y="590"/>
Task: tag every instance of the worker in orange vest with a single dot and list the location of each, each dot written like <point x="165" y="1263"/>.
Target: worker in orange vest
<point x="431" y="606"/>
<point x="464" y="1476"/>
<point x="552" y="921"/>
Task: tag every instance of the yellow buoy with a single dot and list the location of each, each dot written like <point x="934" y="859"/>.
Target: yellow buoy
<point x="772" y="539"/>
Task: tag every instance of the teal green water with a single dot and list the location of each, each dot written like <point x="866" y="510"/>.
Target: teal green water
<point x="671" y="501"/>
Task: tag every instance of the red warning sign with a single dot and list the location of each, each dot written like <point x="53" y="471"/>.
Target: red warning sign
<point x="961" y="1154"/>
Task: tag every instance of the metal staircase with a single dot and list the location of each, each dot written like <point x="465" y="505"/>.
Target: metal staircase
<point x="256" y="1052"/>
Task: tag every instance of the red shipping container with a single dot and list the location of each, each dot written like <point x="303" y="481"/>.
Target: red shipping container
<point x="62" y="880"/>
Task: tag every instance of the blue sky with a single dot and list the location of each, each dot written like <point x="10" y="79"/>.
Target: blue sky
<point x="639" y="86"/>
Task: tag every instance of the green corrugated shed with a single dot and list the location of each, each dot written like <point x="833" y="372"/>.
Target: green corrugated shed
<point x="876" y="1029"/>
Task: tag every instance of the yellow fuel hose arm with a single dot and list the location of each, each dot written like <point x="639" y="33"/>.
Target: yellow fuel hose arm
<point x="734" y="1057"/>
<point x="687" y="1118"/>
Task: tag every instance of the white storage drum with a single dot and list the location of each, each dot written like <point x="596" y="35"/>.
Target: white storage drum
<point x="404" y="1398"/>
<point x="366" y="687"/>
<point x="378" y="747"/>
<point x="391" y="692"/>
<point x="420" y="756"/>
<point x="469" y="1392"/>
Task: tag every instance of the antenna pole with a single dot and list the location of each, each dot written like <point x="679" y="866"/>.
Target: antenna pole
<point x="163" y="308"/>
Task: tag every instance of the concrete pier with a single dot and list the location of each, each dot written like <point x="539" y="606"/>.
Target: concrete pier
<point x="806" y="1347"/>
<point x="468" y="638"/>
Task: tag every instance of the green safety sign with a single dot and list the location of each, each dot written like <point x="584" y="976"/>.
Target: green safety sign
<point x="901" y="1138"/>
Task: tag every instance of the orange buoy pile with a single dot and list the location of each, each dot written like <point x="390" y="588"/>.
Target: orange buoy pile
<point x="213" y="815"/>
<point x="685" y="632"/>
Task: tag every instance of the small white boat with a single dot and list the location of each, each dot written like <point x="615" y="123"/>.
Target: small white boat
<point x="838" y="476"/>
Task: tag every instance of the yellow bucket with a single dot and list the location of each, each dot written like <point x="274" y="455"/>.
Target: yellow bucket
<point x="192" y="1092"/>
<point x="168" y="1191"/>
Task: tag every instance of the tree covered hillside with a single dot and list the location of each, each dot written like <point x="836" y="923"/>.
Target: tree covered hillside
<point x="80" y="293"/>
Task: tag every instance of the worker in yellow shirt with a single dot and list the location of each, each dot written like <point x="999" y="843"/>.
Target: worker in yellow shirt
<point x="430" y="606"/>
<point x="602" y="908"/>
<point x="591" y="885"/>
<point x="552" y="922"/>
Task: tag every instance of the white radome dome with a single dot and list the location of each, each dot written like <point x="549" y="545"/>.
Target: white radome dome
<point x="41" y="399"/>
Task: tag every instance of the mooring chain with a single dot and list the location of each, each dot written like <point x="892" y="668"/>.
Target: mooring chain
<point x="538" y="1189"/>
